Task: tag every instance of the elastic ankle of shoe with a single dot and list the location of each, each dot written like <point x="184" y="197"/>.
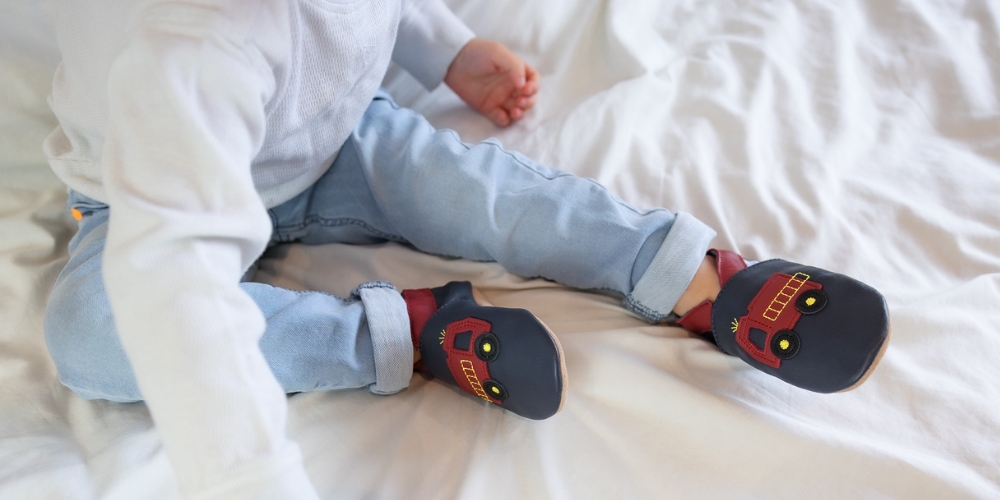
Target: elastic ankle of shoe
<point x="420" y="306"/>
<point x="699" y="318"/>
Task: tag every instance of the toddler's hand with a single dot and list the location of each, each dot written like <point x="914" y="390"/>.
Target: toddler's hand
<point x="493" y="81"/>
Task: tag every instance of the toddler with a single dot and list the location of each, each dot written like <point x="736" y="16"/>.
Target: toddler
<point x="194" y="134"/>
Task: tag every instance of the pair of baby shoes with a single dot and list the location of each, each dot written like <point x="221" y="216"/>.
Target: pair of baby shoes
<point x="818" y="330"/>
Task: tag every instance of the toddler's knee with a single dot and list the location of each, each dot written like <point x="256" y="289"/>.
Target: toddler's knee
<point x="83" y="343"/>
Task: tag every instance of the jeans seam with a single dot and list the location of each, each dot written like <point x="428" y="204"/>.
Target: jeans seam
<point x="303" y="292"/>
<point x="559" y="173"/>
<point x="281" y="236"/>
<point x="650" y="315"/>
<point x="492" y="142"/>
<point x="372" y="285"/>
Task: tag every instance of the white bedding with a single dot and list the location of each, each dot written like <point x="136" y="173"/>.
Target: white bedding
<point x="863" y="137"/>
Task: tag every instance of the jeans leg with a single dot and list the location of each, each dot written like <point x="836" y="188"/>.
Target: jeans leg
<point x="79" y="327"/>
<point x="397" y="178"/>
<point x="313" y="340"/>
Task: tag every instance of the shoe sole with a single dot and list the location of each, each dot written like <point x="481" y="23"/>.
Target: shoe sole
<point x="481" y="300"/>
<point x="878" y="359"/>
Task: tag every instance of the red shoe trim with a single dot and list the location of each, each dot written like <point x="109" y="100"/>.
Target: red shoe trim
<point x="699" y="318"/>
<point x="727" y="264"/>
<point x="420" y="305"/>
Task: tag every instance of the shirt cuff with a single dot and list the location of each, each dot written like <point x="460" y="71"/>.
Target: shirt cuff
<point x="429" y="38"/>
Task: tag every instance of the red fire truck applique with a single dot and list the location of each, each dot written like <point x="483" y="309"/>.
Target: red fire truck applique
<point x="769" y="312"/>
<point x="468" y="345"/>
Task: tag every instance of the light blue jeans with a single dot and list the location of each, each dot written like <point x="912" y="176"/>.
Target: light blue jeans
<point x="398" y="179"/>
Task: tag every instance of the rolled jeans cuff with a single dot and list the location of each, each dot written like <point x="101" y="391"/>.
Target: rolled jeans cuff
<point x="389" y="327"/>
<point x="672" y="269"/>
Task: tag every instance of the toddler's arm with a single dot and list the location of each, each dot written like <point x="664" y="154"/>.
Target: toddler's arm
<point x="185" y="118"/>
<point x="434" y="45"/>
<point x="493" y="81"/>
<point x="428" y="39"/>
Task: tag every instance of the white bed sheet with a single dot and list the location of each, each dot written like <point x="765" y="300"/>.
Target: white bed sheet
<point x="863" y="137"/>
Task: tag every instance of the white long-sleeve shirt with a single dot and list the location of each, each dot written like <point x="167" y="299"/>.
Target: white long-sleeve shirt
<point x="190" y="118"/>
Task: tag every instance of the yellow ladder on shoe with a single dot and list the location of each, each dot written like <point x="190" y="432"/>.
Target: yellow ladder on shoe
<point x="792" y="286"/>
<point x="470" y="375"/>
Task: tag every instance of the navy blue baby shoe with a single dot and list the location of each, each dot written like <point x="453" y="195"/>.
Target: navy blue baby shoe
<point x="815" y="329"/>
<point x="506" y="357"/>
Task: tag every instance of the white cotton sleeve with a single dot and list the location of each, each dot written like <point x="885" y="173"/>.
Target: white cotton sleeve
<point x="186" y="117"/>
<point x="429" y="38"/>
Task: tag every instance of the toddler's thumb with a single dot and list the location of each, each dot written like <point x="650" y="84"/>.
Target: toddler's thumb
<point x="516" y="68"/>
